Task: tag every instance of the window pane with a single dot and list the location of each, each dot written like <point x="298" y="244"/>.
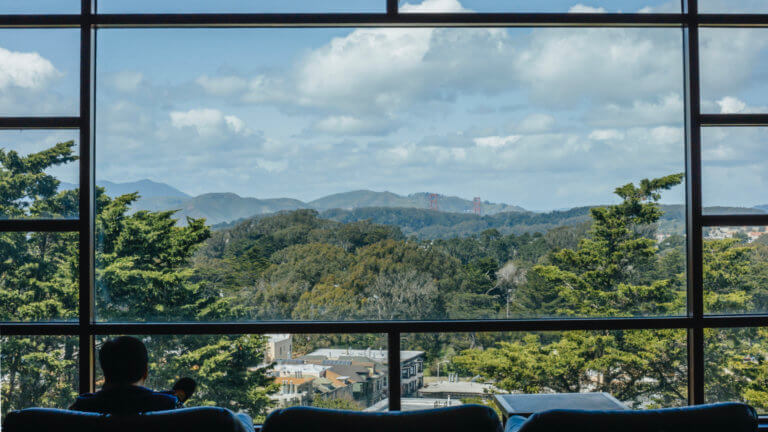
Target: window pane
<point x="39" y="72"/>
<point x="733" y="65"/>
<point x="640" y="368"/>
<point x="38" y="371"/>
<point x="735" y="269"/>
<point x="599" y="6"/>
<point x="257" y="374"/>
<point x="334" y="188"/>
<point x="38" y="276"/>
<point x="241" y="6"/>
<point x="735" y="366"/>
<point x="733" y="6"/>
<point x="733" y="170"/>
<point x="39" y="173"/>
<point x="39" y="6"/>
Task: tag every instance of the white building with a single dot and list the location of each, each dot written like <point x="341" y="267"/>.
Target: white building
<point x="279" y="346"/>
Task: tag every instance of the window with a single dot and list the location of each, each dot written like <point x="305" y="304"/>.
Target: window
<point x="346" y="194"/>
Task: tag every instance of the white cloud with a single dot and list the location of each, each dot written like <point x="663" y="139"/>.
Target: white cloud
<point x="127" y="81"/>
<point x="222" y="85"/>
<point x="606" y="134"/>
<point x="666" y="109"/>
<point x="536" y="123"/>
<point x="580" y="8"/>
<point x="208" y="122"/>
<point x="350" y="125"/>
<point x="25" y="70"/>
<point x="433" y="6"/>
<point x="496" y="142"/>
<point x="731" y="105"/>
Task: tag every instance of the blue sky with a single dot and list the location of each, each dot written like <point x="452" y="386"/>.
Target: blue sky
<point x="542" y="118"/>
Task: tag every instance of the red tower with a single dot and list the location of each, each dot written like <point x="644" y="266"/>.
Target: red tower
<point x="478" y="206"/>
<point x="433" y="201"/>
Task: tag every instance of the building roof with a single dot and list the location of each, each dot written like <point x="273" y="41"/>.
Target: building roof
<point x="303" y="369"/>
<point x="354" y="373"/>
<point x="293" y="380"/>
<point x="464" y="387"/>
<point x="379" y="355"/>
<point x="414" y="404"/>
<point x="278" y="337"/>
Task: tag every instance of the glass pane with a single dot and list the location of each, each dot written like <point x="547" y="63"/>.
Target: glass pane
<point x="241" y="6"/>
<point x="733" y="65"/>
<point x="735" y="366"/>
<point x="733" y="6"/>
<point x="257" y="374"/>
<point x="39" y="72"/>
<point x="640" y="369"/>
<point x="733" y="170"/>
<point x="735" y="269"/>
<point x="332" y="188"/>
<point x="39" y="6"/>
<point x="37" y="371"/>
<point x="38" y="276"/>
<point x="39" y="173"/>
<point x="595" y="6"/>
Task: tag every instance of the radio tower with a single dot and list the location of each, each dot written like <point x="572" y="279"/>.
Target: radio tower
<point x="433" y="201"/>
<point x="478" y="206"/>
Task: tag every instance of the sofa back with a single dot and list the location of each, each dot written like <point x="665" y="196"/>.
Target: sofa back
<point x="730" y="417"/>
<point x="200" y="419"/>
<point x="463" y="418"/>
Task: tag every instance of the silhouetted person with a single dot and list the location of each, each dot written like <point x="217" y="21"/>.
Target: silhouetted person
<point x="183" y="389"/>
<point x="124" y="361"/>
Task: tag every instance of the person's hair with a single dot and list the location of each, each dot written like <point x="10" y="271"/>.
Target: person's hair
<point x="123" y="359"/>
<point x="187" y="385"/>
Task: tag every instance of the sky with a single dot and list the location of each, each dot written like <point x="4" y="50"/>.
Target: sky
<point x="540" y="118"/>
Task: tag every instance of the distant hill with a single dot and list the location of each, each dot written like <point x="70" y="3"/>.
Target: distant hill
<point x="366" y="198"/>
<point x="146" y="188"/>
<point x="763" y="207"/>
<point x="218" y="207"/>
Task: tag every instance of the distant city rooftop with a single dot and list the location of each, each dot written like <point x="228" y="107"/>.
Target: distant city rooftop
<point x="379" y="355"/>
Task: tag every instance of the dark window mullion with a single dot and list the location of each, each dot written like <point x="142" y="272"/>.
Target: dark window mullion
<point x="693" y="205"/>
<point x="85" y="306"/>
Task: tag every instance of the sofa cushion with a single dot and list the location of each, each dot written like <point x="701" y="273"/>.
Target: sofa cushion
<point x="463" y="418"/>
<point x="200" y="419"/>
<point x="731" y="417"/>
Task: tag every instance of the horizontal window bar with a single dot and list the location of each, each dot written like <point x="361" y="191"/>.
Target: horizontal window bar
<point x="733" y="20"/>
<point x="22" y="329"/>
<point x="350" y="20"/>
<point x="735" y="220"/>
<point x="712" y="321"/>
<point x="39" y="122"/>
<point x="39" y="225"/>
<point x="734" y="119"/>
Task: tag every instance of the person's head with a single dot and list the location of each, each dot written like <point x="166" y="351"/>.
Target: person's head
<point x="184" y="388"/>
<point x="124" y="360"/>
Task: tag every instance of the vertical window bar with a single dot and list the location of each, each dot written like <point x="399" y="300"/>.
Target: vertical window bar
<point x="85" y="307"/>
<point x="393" y="360"/>
<point x="693" y="206"/>
<point x="392" y="7"/>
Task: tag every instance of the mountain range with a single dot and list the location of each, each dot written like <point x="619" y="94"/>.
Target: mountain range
<point x="454" y="214"/>
<point x="223" y="207"/>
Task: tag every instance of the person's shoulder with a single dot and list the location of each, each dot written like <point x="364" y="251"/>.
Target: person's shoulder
<point x="84" y="402"/>
<point x="163" y="399"/>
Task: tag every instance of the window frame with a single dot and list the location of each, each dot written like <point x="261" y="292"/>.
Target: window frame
<point x="694" y="321"/>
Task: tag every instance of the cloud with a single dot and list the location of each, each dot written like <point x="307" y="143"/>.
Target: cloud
<point x="665" y="109"/>
<point x="208" y="122"/>
<point x="222" y="85"/>
<point x="606" y="134"/>
<point x="536" y="123"/>
<point x="25" y="70"/>
<point x="353" y="126"/>
<point x="580" y="8"/>
<point x="127" y="81"/>
<point x="496" y="142"/>
<point x="433" y="6"/>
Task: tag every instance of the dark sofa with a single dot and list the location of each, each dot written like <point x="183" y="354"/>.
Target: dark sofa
<point x="463" y="418"/>
<point x="722" y="417"/>
<point x="200" y="419"/>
